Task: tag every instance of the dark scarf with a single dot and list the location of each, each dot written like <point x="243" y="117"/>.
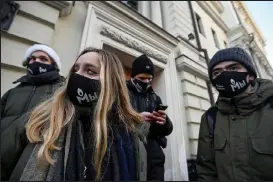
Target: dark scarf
<point x="119" y="160"/>
<point x="76" y="151"/>
<point x="124" y="146"/>
<point x="41" y="79"/>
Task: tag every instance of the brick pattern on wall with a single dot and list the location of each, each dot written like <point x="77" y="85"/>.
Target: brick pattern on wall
<point x="196" y="100"/>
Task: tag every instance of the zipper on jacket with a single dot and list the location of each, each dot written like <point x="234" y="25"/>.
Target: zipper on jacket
<point x="235" y="105"/>
<point x="29" y="98"/>
<point x="147" y="101"/>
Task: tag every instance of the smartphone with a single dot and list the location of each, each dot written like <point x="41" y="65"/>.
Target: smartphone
<point x="161" y="107"/>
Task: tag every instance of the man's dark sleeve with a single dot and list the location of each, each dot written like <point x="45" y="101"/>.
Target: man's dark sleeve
<point x="164" y="130"/>
<point x="3" y="102"/>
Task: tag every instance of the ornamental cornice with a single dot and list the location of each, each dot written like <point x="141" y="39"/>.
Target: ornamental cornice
<point x="130" y="42"/>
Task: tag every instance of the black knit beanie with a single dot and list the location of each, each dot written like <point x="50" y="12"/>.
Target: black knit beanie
<point x="142" y="64"/>
<point x="232" y="54"/>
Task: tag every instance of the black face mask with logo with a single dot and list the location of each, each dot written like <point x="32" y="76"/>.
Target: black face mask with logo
<point x="37" y="68"/>
<point x="230" y="83"/>
<point x="141" y="86"/>
<point x="83" y="91"/>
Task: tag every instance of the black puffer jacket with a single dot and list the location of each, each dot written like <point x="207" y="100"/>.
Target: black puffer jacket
<point x="156" y="139"/>
<point x="15" y="106"/>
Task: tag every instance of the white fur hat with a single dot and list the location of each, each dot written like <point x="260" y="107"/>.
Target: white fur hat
<point x="46" y="49"/>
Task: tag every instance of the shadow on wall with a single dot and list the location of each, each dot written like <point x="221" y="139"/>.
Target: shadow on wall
<point x="126" y="59"/>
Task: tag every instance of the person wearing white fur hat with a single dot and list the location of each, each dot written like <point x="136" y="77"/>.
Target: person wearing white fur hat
<point x="42" y="78"/>
<point x="41" y="56"/>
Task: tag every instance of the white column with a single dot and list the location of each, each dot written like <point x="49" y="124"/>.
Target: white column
<point x="145" y="8"/>
<point x="176" y="158"/>
<point x="156" y="13"/>
<point x="86" y="26"/>
<point x="91" y="32"/>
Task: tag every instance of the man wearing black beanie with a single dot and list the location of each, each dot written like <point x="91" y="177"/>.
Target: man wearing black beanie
<point x="144" y="100"/>
<point x="236" y="135"/>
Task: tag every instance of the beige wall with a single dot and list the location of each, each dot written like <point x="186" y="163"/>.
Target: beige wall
<point x="177" y="18"/>
<point x="68" y="35"/>
<point x="37" y="22"/>
<point x="207" y="41"/>
<point x="229" y="15"/>
<point x="194" y="88"/>
<point x="194" y="97"/>
<point x="8" y="75"/>
<point x="196" y="100"/>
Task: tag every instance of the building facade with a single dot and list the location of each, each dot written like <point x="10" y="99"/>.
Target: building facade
<point x="245" y="33"/>
<point x="179" y="36"/>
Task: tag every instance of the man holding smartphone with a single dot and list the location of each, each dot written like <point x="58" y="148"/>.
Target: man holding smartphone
<point x="149" y="105"/>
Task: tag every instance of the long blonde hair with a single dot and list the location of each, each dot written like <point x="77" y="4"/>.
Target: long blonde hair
<point x="49" y="118"/>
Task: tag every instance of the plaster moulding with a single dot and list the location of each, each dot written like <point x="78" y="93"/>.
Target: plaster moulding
<point x="191" y="66"/>
<point x="240" y="5"/>
<point x="131" y="16"/>
<point x="260" y="53"/>
<point x="190" y="69"/>
<point x="129" y="42"/>
<point x="243" y="42"/>
<point x="218" y="5"/>
<point x="64" y="7"/>
<point x="122" y="19"/>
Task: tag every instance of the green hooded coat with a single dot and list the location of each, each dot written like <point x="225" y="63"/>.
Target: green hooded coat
<point x="242" y="145"/>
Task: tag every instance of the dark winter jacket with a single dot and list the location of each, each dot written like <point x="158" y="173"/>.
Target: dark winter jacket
<point x="156" y="138"/>
<point x="15" y="106"/>
<point x="242" y="147"/>
<point x="71" y="161"/>
<point x="18" y="156"/>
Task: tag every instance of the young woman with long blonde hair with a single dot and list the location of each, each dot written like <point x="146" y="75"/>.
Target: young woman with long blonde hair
<point x="86" y="131"/>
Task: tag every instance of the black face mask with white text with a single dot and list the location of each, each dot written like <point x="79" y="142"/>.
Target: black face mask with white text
<point x="83" y="91"/>
<point x="37" y="68"/>
<point x="141" y="86"/>
<point x="230" y="83"/>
